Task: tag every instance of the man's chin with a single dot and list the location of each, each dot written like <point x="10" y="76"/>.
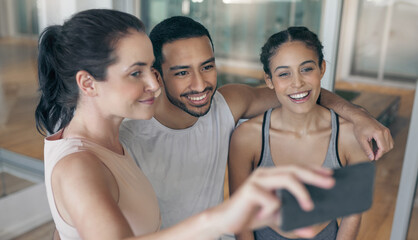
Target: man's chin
<point x="200" y="113"/>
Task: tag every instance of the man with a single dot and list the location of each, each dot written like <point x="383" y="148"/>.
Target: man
<point x="183" y="150"/>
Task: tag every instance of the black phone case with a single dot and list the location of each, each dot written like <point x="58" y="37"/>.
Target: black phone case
<point x="352" y="193"/>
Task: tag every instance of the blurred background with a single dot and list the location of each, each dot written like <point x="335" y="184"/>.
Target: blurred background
<point x="370" y="48"/>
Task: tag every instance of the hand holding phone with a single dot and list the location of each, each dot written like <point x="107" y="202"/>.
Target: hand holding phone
<point x="352" y="193"/>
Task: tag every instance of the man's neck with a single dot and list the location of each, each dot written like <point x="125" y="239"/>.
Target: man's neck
<point x="172" y="116"/>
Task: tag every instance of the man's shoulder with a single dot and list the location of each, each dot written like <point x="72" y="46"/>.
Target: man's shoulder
<point x="219" y="104"/>
<point x="133" y="124"/>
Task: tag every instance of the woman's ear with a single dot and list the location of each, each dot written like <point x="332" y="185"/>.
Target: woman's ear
<point x="267" y="79"/>
<point x="323" y="68"/>
<point x="86" y="83"/>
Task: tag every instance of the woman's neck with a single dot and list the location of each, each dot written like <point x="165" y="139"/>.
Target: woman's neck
<point x="90" y="124"/>
<point x="299" y="123"/>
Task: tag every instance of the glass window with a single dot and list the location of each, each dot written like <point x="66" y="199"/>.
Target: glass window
<point x="368" y="38"/>
<point x="26" y="17"/>
<point x="397" y="46"/>
<point x="402" y="51"/>
<point x="237" y="29"/>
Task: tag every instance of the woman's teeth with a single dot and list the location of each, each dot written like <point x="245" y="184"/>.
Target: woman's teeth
<point x="298" y="96"/>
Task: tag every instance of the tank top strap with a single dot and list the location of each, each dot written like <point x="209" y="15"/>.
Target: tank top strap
<point x="265" y="136"/>
<point x="332" y="159"/>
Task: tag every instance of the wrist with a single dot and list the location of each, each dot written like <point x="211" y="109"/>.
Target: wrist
<point x="211" y="223"/>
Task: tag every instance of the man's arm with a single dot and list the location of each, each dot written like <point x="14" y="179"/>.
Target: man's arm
<point x="366" y="128"/>
<point x="246" y="101"/>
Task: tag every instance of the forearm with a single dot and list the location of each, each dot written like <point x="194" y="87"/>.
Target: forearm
<point x="341" y="106"/>
<point x="349" y="227"/>
<point x="263" y="99"/>
<point x="202" y="226"/>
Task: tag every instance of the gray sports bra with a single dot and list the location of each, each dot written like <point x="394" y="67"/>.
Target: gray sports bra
<point x="332" y="160"/>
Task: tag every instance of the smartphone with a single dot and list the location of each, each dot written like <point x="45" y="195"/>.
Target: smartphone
<point x="352" y="193"/>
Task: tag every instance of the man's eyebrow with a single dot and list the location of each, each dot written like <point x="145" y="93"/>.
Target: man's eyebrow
<point x="178" y="67"/>
<point x="212" y="59"/>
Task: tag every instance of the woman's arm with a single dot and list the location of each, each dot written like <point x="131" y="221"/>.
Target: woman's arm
<point x="86" y="195"/>
<point x="253" y="205"/>
<point x="350" y="152"/>
<point x="349" y="227"/>
<point x="245" y="141"/>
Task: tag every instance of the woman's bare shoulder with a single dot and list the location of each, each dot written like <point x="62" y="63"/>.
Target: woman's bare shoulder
<point x="349" y="147"/>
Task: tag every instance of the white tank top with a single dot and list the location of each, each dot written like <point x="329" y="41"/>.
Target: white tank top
<point x="137" y="199"/>
<point x="186" y="167"/>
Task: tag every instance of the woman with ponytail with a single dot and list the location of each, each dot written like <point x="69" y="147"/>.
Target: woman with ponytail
<point x="94" y="71"/>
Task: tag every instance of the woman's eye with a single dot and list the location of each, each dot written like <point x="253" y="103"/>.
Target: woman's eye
<point x="285" y="74"/>
<point x="136" y="74"/>
<point x="182" y="73"/>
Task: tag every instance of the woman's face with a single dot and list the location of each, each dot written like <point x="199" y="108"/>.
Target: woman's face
<point x="130" y="87"/>
<point x="296" y="76"/>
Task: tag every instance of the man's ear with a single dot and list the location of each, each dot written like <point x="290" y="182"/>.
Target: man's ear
<point x="158" y="77"/>
<point x="268" y="81"/>
<point x="86" y="83"/>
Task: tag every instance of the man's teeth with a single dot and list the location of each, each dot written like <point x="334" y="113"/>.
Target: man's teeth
<point x="197" y="98"/>
<point x="299" y="95"/>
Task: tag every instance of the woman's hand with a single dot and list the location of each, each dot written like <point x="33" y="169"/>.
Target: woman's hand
<point x="255" y="204"/>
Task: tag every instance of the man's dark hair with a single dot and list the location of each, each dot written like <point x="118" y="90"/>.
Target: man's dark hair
<point x="172" y="29"/>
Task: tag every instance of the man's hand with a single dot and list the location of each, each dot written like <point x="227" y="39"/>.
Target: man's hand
<point x="366" y="129"/>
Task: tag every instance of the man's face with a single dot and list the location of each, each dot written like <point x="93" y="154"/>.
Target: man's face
<point x="189" y="74"/>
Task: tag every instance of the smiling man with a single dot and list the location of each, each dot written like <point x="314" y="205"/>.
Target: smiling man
<point x="183" y="150"/>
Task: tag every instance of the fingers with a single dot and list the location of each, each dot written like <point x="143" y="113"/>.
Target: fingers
<point x="292" y="178"/>
<point x="255" y="205"/>
<point x="383" y="139"/>
<point x="384" y="143"/>
<point x="367" y="148"/>
<point x="250" y="207"/>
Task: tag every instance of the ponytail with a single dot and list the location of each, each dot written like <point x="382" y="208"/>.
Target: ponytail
<point x="52" y="113"/>
<point x="85" y="42"/>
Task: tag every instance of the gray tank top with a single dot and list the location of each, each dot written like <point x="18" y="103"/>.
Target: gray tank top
<point x="332" y="160"/>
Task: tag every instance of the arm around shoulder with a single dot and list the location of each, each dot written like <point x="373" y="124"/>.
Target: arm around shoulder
<point x="366" y="128"/>
<point x="246" y="101"/>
